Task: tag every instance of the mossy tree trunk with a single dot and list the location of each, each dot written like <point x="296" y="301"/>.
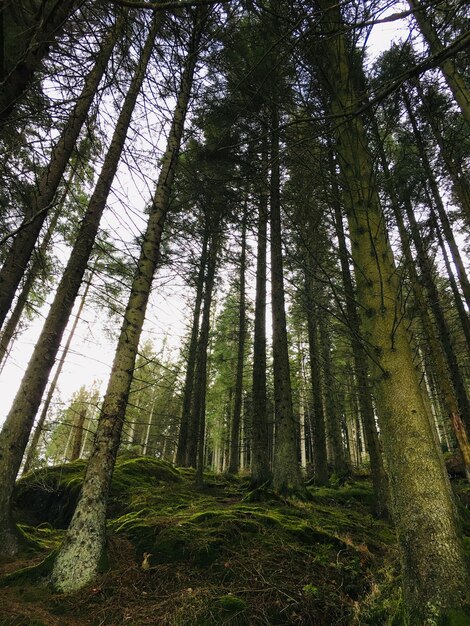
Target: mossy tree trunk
<point x="234" y="464"/>
<point x="435" y="577"/>
<point x="79" y="557"/>
<point x="286" y="470"/>
<point x="42" y="199"/>
<point x="181" y="453"/>
<point x="17" y="427"/>
<point x="361" y="368"/>
<point x="260" y="468"/>
<point x="454" y="80"/>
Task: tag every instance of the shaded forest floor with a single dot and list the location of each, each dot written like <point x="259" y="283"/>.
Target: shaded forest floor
<point x="217" y="558"/>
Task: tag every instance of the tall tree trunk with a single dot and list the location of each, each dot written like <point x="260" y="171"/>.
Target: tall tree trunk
<point x="439" y="347"/>
<point x="234" y="464"/>
<point x="32" y="450"/>
<point x="79" y="556"/>
<point x="427" y="280"/>
<point x="286" y="470"/>
<point x="434" y="572"/>
<point x="454" y="79"/>
<point x="317" y="415"/>
<point x="379" y="476"/>
<point x="431" y="180"/>
<point x="42" y="199"/>
<point x="199" y="407"/>
<point x="17" y="427"/>
<point x="260" y="469"/>
<point x="333" y="422"/>
<point x="460" y="182"/>
<point x="459" y="305"/>
<point x="29" y="54"/>
<point x="181" y="453"/>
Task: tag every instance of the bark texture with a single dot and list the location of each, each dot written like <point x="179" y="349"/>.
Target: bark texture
<point x="434" y="572"/>
<point x="79" y="557"/>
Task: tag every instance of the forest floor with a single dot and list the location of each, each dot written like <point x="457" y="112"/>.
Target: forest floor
<point x="217" y="556"/>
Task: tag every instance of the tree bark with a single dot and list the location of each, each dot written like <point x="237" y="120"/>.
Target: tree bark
<point x="286" y="470"/>
<point x="42" y="199"/>
<point x="32" y="450"/>
<point x="260" y="469"/>
<point x="181" y="453"/>
<point x="78" y="559"/>
<point x="434" y="572"/>
<point x="17" y="427"/>
<point x="234" y="464"/>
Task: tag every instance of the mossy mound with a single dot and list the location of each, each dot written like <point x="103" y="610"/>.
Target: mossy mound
<point x="49" y="495"/>
<point x="217" y="558"/>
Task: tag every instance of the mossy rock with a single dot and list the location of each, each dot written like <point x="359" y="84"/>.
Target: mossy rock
<point x="50" y="494"/>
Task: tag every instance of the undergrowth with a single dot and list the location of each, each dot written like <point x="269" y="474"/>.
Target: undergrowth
<point x="216" y="558"/>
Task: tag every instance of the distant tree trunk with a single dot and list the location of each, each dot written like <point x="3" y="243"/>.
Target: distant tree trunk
<point x="260" y="469"/>
<point x="234" y="464"/>
<point x="441" y="324"/>
<point x="181" y="453"/>
<point x="329" y="385"/>
<point x="460" y="182"/>
<point x="454" y="80"/>
<point x="30" y="46"/>
<point x="431" y="180"/>
<point x="317" y="415"/>
<point x="459" y="305"/>
<point x="199" y="405"/>
<point x="17" y="427"/>
<point x="78" y="559"/>
<point x="32" y="449"/>
<point x="25" y="239"/>
<point x="77" y="430"/>
<point x="435" y="578"/>
<point x="286" y="471"/>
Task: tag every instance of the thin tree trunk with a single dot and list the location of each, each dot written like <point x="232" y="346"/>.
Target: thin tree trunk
<point x="11" y="324"/>
<point x="431" y="181"/>
<point x="199" y="406"/>
<point x="286" y="472"/>
<point x="79" y="556"/>
<point x="181" y="453"/>
<point x="32" y="450"/>
<point x="435" y="577"/>
<point x="17" y="427"/>
<point x="317" y="415"/>
<point x="77" y="429"/>
<point x="260" y="469"/>
<point x="454" y="80"/>
<point x="42" y="199"/>
<point x="234" y="464"/>
<point x="441" y="323"/>
<point x="329" y="387"/>
<point x="460" y="183"/>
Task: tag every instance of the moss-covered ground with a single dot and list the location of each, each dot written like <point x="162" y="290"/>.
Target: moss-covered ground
<point x="217" y="557"/>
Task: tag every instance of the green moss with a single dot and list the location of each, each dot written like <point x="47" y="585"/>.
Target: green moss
<point x="31" y="574"/>
<point x="231" y="604"/>
<point x="456" y="617"/>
